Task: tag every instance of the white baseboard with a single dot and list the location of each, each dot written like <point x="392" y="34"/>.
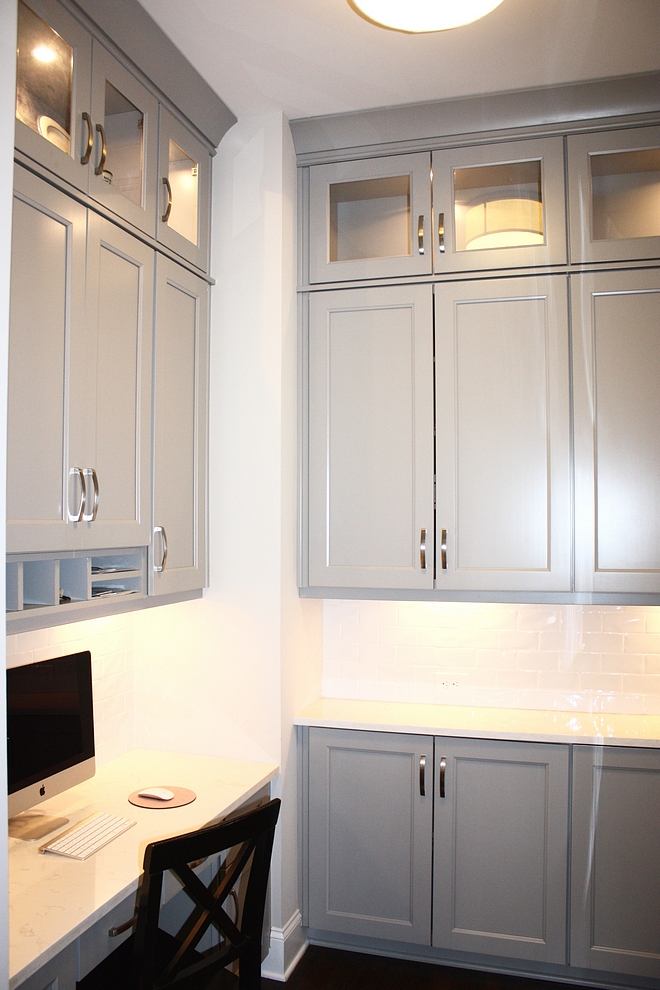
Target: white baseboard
<point x="287" y="947"/>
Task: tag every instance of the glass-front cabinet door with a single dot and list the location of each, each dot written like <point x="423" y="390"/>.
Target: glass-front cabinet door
<point x="370" y="219"/>
<point x="184" y="185"/>
<point x="122" y="165"/>
<point x="500" y="206"/>
<point x="53" y="67"/>
<point x="614" y="195"/>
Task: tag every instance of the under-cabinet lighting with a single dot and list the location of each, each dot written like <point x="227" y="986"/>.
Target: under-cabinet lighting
<point x="419" y="16"/>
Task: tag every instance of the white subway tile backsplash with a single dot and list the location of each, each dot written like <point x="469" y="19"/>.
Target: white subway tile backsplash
<point x="567" y="657"/>
<point x="110" y="641"/>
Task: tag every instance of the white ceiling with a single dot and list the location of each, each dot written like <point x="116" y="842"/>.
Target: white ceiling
<point x="310" y="57"/>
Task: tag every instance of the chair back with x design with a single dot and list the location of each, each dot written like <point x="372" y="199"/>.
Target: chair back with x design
<point x="248" y="842"/>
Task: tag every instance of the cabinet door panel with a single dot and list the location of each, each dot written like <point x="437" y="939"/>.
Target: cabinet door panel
<point x="616" y="320"/>
<point x="500" y="861"/>
<point x="184" y="190"/>
<point x="615" y="899"/>
<point x="46" y="326"/>
<point x="370" y="218"/>
<point x="51" y="96"/>
<point x="120" y="306"/>
<point x="500" y="206"/>
<point x="614" y="184"/>
<point x="124" y="179"/>
<point x="180" y="436"/>
<point x="503" y="440"/>
<point x="370" y="835"/>
<point x="371" y="438"/>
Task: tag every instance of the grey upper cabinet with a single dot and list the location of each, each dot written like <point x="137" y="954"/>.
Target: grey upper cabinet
<point x="370" y="495"/>
<point x="615" y="890"/>
<point x="123" y="148"/>
<point x="53" y="89"/>
<point x="613" y="195"/>
<point x="47" y="329"/>
<point x="111" y="414"/>
<point x="184" y="190"/>
<point x="616" y="363"/>
<point x="79" y="377"/>
<point x="83" y="115"/>
<point x="503" y="464"/>
<point x="370" y="829"/>
<point x="501" y="848"/>
<point x="180" y="430"/>
<point x="499" y="206"/>
<point x="370" y="218"/>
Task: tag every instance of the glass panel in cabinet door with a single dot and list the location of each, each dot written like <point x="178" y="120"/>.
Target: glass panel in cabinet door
<point x="183" y="197"/>
<point x="52" y="89"/>
<point x="370" y="219"/>
<point x="184" y="177"/>
<point x="123" y="128"/>
<point x="44" y="77"/>
<point x="614" y="186"/>
<point x="499" y="206"/>
<point x="123" y="163"/>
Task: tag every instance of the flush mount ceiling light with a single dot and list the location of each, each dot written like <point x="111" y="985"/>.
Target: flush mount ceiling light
<point x="419" y="16"/>
<point x="501" y="223"/>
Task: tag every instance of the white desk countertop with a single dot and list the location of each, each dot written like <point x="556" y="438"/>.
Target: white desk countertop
<point x="52" y="899"/>
<point x="484" y="723"/>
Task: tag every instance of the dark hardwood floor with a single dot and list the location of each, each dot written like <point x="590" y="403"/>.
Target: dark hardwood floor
<point x="334" y="969"/>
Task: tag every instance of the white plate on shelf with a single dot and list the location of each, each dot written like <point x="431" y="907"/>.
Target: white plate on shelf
<point x="54" y="133"/>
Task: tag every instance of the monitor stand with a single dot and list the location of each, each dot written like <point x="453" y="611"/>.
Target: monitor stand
<point x="31" y="825"/>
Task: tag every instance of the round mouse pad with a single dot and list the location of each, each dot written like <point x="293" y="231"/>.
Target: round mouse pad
<point x="181" y="796"/>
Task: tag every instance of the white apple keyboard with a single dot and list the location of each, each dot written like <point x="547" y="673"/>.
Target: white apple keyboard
<point x="83" y="840"/>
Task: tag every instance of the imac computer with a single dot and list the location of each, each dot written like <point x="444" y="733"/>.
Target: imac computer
<point x="50" y="737"/>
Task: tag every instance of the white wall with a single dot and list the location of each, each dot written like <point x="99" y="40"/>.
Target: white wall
<point x="7" y="105"/>
<point x="224" y="675"/>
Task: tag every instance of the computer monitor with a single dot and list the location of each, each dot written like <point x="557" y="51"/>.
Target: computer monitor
<point x="50" y="736"/>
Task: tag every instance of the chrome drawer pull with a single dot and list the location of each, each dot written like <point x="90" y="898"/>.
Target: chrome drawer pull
<point x="443" y="767"/>
<point x="422" y="776"/>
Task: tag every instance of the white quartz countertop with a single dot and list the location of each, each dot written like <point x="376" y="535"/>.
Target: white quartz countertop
<point x="52" y="899"/>
<point x="484" y="723"/>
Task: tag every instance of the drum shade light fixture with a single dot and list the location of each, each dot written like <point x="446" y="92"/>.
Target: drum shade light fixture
<point x="419" y="16"/>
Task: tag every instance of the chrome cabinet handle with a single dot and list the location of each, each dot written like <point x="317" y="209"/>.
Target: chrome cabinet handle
<point x="441" y="233"/>
<point x="443" y="549"/>
<point x="91" y="516"/>
<point x="104" y="151"/>
<point x="163" y="534"/>
<point x="90" y="139"/>
<point x="78" y="515"/>
<point x="422" y="776"/>
<point x="422" y="549"/>
<point x="443" y="767"/>
<point x="420" y="235"/>
<point x="166" y="215"/>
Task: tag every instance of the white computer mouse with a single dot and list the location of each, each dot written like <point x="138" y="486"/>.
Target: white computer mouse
<point x="159" y="793"/>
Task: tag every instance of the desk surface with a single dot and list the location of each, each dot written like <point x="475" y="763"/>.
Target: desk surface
<point x="52" y="900"/>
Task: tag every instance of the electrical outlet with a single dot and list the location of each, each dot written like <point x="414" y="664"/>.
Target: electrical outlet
<point x="450" y="684"/>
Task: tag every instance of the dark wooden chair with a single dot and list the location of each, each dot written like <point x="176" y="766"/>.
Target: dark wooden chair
<point x="152" y="958"/>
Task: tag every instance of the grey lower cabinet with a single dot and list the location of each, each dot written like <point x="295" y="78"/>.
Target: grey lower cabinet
<point x="495" y="813"/>
<point x="178" y="548"/>
<point x="501" y="848"/>
<point x="370" y="830"/>
<point x="615" y="889"/>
